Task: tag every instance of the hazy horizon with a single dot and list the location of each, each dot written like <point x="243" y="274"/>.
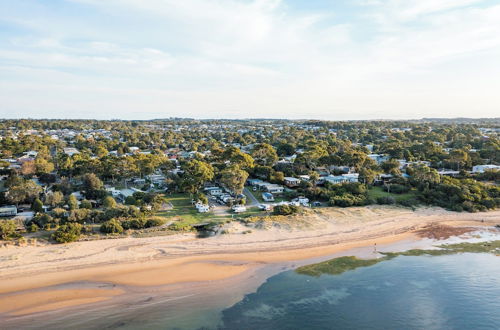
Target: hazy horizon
<point x="237" y="59"/>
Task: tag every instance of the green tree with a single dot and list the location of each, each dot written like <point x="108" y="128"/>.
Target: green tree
<point x="109" y="202"/>
<point x="264" y="154"/>
<point x="86" y="204"/>
<point x="37" y="205"/>
<point x="43" y="166"/>
<point x="459" y="157"/>
<point x="234" y="178"/>
<point x="367" y="175"/>
<point x="91" y="184"/>
<point x="236" y="157"/>
<point x="196" y="173"/>
<point x="72" y="202"/>
<point x="285" y="149"/>
<point x="391" y="166"/>
<point x="25" y="191"/>
<point x="54" y="198"/>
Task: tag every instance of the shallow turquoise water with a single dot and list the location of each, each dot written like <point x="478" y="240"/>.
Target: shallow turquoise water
<point x="446" y="292"/>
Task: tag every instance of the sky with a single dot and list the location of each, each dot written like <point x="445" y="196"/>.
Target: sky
<point x="294" y="59"/>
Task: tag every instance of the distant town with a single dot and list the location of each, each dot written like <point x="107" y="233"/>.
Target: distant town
<point x="67" y="180"/>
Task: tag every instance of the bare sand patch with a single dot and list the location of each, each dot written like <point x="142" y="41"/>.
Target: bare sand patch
<point x="41" y="301"/>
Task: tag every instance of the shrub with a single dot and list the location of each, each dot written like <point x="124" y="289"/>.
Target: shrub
<point x="112" y="226"/>
<point x="86" y="204"/>
<point x="41" y="220"/>
<point x="32" y="228"/>
<point x="7" y="229"/>
<point x="137" y="223"/>
<point x="285" y="209"/>
<point x="412" y="202"/>
<point x="109" y="202"/>
<point x="79" y="215"/>
<point x="69" y="232"/>
<point x="155" y="222"/>
<point x="179" y="226"/>
<point x="130" y="200"/>
<point x="388" y="200"/>
<point x="347" y="200"/>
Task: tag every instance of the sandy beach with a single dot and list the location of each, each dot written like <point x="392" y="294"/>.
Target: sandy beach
<point x="43" y="278"/>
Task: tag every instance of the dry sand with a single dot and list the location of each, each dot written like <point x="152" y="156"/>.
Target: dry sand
<point x="31" y="277"/>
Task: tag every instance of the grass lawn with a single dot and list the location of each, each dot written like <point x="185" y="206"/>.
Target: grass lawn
<point x="258" y="195"/>
<point x="376" y="192"/>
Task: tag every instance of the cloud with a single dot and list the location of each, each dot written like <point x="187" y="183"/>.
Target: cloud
<point x="216" y="58"/>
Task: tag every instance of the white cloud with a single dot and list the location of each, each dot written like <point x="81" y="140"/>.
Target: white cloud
<point x="208" y="58"/>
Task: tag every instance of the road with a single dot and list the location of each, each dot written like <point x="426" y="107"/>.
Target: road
<point x="251" y="200"/>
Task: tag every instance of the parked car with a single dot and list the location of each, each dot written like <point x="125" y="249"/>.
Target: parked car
<point x="265" y="207"/>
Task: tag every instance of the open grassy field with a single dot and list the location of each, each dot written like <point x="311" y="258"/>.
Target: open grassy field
<point x="187" y="214"/>
<point x="376" y="192"/>
<point x="258" y="195"/>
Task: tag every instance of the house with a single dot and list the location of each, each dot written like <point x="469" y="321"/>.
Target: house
<point x="139" y="181"/>
<point x="254" y="182"/>
<point x="122" y="194"/>
<point x="157" y="178"/>
<point x="343" y="169"/>
<point x="482" y="168"/>
<point x="134" y="150"/>
<point x="214" y="191"/>
<point x="8" y="211"/>
<point x="267" y="197"/>
<point x="304" y="177"/>
<point x="274" y="188"/>
<point x="378" y="158"/>
<point x="291" y="182"/>
<point x="71" y="151"/>
<point x="448" y="172"/>
<point x="344" y="178"/>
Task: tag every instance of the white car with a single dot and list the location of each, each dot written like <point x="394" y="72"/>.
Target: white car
<point x="265" y="207"/>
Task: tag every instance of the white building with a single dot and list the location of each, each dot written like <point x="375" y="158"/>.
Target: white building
<point x="71" y="151"/>
<point x="8" y="211"/>
<point x="482" y="168"/>
<point x="214" y="191"/>
<point x="291" y="182"/>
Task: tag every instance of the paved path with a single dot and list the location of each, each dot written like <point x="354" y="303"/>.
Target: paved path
<point x="253" y="201"/>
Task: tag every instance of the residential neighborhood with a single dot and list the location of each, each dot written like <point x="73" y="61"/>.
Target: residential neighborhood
<point x="180" y="172"/>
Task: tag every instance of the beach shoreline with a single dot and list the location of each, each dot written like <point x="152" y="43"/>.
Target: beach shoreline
<point x="97" y="272"/>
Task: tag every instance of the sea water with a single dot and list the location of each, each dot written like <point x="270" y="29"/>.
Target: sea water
<point x="459" y="291"/>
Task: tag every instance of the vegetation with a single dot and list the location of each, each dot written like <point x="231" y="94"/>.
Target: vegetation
<point x="340" y="265"/>
<point x="112" y="226"/>
<point x="86" y="173"/>
<point x="285" y="209"/>
<point x="7" y="229"/>
<point x="67" y="233"/>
